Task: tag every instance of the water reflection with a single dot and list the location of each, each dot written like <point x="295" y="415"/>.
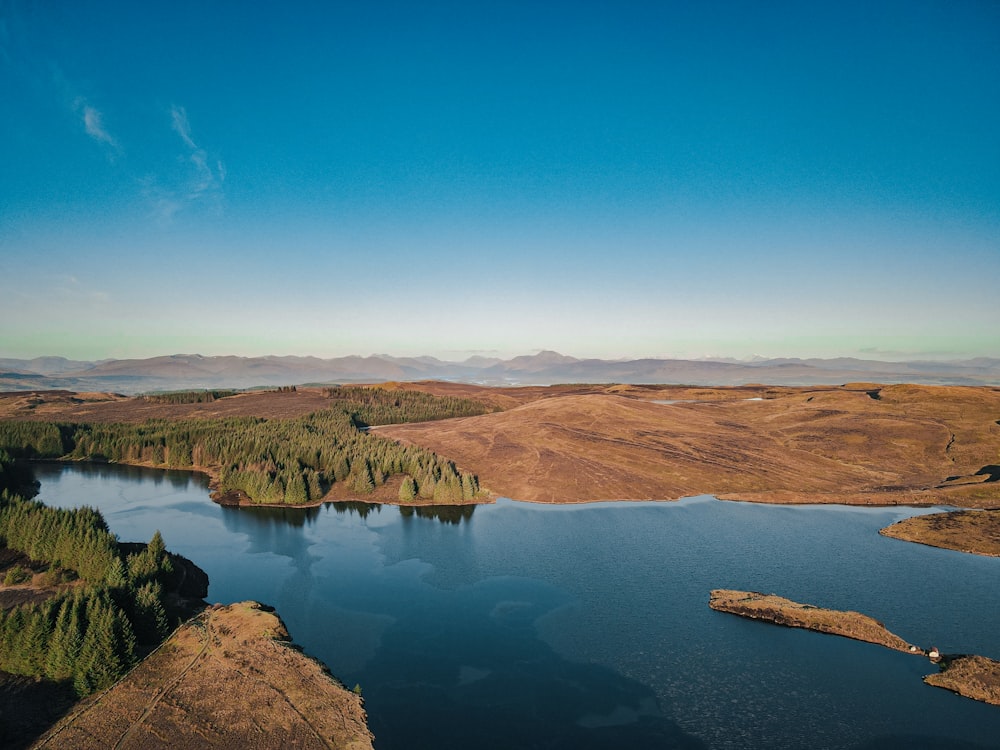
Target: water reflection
<point x="270" y="515"/>
<point x="446" y="514"/>
<point x="356" y="508"/>
<point x="516" y="625"/>
<point x="449" y="514"/>
<point x="177" y="479"/>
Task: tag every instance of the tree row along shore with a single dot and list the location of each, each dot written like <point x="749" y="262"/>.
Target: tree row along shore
<point x="293" y="461"/>
<point x="859" y="443"/>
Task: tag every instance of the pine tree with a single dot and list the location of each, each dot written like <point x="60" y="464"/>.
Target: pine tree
<point x="295" y="490"/>
<point x="408" y="490"/>
<point x="117" y="577"/>
<point x="470" y="487"/>
<point x="364" y="483"/>
<point x="59" y="661"/>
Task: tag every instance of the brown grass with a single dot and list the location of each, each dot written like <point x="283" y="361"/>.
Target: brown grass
<point x="781" y="611"/>
<point x="910" y="445"/>
<point x="64" y="406"/>
<point x="41" y="584"/>
<point x="227" y="679"/>
<point x="974" y="677"/>
<point x="975" y="531"/>
<point x="858" y="444"/>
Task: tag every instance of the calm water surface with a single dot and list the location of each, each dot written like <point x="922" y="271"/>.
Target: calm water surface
<point x="528" y="626"/>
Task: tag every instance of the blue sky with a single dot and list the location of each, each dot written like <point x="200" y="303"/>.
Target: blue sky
<point x="448" y="178"/>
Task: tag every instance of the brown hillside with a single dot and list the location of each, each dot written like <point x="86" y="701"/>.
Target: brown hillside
<point x="860" y="444"/>
<point x="66" y="406"/>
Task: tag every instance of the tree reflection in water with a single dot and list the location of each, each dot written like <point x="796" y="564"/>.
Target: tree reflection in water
<point x="450" y="514"/>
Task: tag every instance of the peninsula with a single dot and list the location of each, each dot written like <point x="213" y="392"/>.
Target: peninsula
<point x="228" y="678"/>
<point x="973" y="531"/>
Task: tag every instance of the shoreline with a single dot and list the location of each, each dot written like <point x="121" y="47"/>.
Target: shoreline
<point x="968" y="675"/>
<point x="851" y="500"/>
<point x="973" y="532"/>
<point x="871" y="446"/>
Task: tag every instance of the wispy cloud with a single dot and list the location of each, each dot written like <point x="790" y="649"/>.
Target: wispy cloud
<point x="180" y="124"/>
<point x="164" y="204"/>
<point x="208" y="177"/>
<point x="199" y="182"/>
<point x="73" y="287"/>
<point x="93" y="123"/>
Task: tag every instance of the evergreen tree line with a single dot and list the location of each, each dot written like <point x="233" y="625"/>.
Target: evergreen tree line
<point x="375" y="405"/>
<point x="84" y="638"/>
<point x="90" y="635"/>
<point x="290" y="461"/>
<point x="187" y="397"/>
<point x="75" y="539"/>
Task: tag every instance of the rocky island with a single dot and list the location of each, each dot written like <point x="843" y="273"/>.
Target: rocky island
<point x="781" y="611"/>
<point x="971" y="676"/>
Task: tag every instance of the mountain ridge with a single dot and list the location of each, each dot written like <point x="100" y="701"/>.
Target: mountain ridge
<point x="182" y="371"/>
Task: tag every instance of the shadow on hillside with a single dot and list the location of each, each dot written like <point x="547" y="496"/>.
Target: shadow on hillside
<point x="29" y="708"/>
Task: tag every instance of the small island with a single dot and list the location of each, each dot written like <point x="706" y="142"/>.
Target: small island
<point x="791" y="614"/>
<point x="971" y="676"/>
<point x="973" y="531"/>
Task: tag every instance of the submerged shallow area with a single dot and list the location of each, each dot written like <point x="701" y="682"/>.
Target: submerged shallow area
<point x="521" y="625"/>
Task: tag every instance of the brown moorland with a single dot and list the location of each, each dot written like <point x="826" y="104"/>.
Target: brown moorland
<point x="974" y="531"/>
<point x="972" y="676"/>
<point x="228" y="678"/>
<point x="859" y="443"/>
<point x="855" y="444"/>
<point x="66" y="406"/>
<point x="781" y="611"/>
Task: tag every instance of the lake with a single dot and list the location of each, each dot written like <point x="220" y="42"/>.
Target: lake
<point x="518" y="625"/>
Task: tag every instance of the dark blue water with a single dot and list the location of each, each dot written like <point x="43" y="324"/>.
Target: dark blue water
<point x="528" y="626"/>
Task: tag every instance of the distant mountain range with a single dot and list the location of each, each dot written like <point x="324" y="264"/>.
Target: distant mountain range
<point x="182" y="371"/>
